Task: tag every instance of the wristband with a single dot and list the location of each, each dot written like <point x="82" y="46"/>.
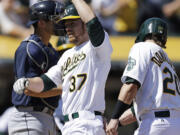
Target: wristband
<point x="26" y="83"/>
<point x="119" y="109"/>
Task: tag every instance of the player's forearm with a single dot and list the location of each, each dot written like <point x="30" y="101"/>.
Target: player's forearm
<point x="84" y="10"/>
<point x="127" y="93"/>
<point x="46" y="94"/>
<point x="35" y="84"/>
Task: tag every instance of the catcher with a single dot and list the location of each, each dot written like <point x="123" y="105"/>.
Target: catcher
<point x="33" y="113"/>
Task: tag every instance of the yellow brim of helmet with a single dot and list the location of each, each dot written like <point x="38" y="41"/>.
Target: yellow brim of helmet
<point x="69" y="18"/>
<point x="64" y="46"/>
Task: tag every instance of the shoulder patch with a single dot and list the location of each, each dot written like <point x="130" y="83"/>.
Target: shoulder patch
<point x="131" y="63"/>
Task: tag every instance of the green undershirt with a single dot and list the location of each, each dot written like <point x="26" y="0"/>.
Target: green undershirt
<point x="95" y="32"/>
<point x="48" y="83"/>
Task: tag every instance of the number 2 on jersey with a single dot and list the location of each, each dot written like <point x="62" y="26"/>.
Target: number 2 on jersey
<point x="170" y="80"/>
<point x="73" y="79"/>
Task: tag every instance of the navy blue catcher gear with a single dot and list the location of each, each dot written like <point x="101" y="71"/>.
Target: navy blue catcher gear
<point x="48" y="11"/>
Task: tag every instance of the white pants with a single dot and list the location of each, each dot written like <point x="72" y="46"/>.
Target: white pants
<point x="87" y="124"/>
<point x="27" y="122"/>
<point x="151" y="125"/>
<point x="58" y="116"/>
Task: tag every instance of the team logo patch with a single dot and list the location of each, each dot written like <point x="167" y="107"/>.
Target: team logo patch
<point x="131" y="63"/>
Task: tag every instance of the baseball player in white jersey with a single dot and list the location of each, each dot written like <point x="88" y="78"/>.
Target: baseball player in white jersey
<point x="82" y="71"/>
<point x="62" y="45"/>
<point x="151" y="80"/>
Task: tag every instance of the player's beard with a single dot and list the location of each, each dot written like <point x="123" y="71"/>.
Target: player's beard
<point x="78" y="39"/>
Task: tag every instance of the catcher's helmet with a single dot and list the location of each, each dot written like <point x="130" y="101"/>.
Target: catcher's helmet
<point x="153" y="27"/>
<point x="46" y="10"/>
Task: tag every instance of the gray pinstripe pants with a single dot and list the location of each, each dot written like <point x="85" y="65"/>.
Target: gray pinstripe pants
<point x="28" y="122"/>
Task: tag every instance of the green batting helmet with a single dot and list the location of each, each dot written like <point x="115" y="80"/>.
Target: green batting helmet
<point x="63" y="44"/>
<point x="70" y="13"/>
<point x="155" y="27"/>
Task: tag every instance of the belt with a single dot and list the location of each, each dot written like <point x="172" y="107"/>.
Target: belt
<point x="158" y="114"/>
<point x="36" y="109"/>
<point x="76" y="115"/>
<point x="161" y="114"/>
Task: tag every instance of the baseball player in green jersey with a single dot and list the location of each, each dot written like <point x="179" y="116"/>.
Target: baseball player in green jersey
<point x="150" y="80"/>
<point x="82" y="71"/>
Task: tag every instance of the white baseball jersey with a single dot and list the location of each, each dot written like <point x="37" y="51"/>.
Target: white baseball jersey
<point x="83" y="71"/>
<point x="151" y="67"/>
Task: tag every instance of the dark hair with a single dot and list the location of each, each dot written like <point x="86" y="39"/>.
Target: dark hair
<point x="157" y="38"/>
<point x="35" y="25"/>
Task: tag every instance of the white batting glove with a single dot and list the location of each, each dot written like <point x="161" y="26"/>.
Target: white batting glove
<point x="20" y="85"/>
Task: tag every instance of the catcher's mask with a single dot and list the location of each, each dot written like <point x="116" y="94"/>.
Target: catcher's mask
<point x="48" y="11"/>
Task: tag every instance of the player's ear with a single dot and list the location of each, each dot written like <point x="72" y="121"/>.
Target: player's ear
<point x="41" y="23"/>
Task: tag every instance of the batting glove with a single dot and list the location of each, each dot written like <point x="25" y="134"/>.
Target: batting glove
<point x="20" y="85"/>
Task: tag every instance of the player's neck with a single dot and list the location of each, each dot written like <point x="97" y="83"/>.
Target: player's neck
<point x="79" y="43"/>
<point x="156" y="42"/>
<point x="149" y="40"/>
<point x="45" y="37"/>
<point x="82" y="39"/>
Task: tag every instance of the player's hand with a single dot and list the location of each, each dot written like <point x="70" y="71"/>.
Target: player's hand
<point x="111" y="129"/>
<point x="20" y="85"/>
